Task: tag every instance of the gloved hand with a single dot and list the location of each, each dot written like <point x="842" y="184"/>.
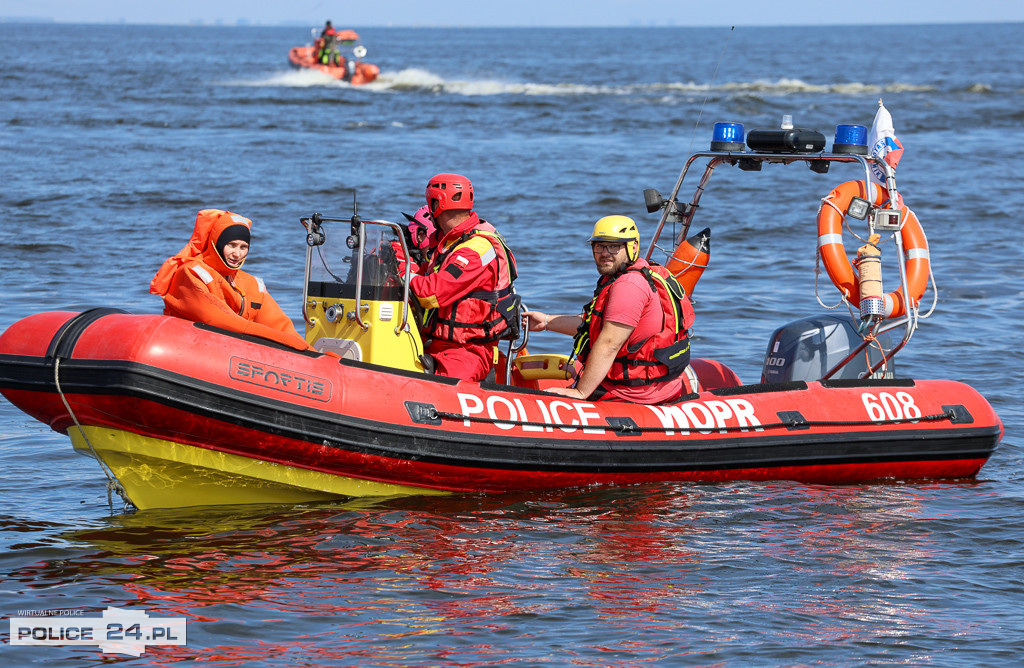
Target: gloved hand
<point x="400" y="259"/>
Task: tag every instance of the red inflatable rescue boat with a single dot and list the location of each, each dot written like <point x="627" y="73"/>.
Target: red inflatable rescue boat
<point x="343" y="62"/>
<point x="180" y="413"/>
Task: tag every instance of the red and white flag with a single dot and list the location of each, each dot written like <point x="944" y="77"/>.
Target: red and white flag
<point x="882" y="143"/>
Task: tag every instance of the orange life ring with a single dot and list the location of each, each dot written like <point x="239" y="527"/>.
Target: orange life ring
<point x="837" y="264"/>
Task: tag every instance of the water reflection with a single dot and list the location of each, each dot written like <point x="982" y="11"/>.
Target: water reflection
<point x="646" y="573"/>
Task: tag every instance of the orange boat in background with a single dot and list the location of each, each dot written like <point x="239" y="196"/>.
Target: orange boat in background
<point x="346" y="65"/>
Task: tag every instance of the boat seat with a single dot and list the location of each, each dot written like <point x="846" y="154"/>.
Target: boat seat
<point x="544" y="366"/>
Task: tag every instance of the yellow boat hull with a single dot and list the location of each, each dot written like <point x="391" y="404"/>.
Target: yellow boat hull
<point x="157" y="473"/>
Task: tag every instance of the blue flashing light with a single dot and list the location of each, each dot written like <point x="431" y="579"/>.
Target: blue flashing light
<point x="727" y="137"/>
<point x="851" y="139"/>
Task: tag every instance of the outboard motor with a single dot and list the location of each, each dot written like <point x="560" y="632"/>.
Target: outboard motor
<point x="806" y="349"/>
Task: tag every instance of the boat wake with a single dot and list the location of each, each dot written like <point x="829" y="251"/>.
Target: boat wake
<point x="304" y="78"/>
<point x="415" y="79"/>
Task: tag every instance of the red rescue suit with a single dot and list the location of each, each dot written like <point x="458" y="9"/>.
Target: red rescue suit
<point x="467" y="286"/>
<point x="195" y="286"/>
<point x="470" y="272"/>
<point x="658" y="358"/>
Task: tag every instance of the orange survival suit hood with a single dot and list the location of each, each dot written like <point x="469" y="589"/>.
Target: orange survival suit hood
<point x="210" y="225"/>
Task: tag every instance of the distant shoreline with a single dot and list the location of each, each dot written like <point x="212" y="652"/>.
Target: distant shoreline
<point x="246" y="23"/>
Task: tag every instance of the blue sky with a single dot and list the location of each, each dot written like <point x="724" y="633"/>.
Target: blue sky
<point x="517" y="12"/>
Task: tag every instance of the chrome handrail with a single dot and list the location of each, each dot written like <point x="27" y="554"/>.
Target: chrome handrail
<point x="361" y="224"/>
<point x="513" y="349"/>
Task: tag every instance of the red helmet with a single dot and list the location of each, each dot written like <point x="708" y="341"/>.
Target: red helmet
<point x="449" y="191"/>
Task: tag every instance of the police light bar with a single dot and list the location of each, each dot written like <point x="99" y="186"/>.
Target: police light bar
<point x="786" y="141"/>
<point x="851" y="139"/>
<point x="727" y="137"/>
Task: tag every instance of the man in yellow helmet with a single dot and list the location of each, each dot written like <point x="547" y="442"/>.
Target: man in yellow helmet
<point x="632" y="336"/>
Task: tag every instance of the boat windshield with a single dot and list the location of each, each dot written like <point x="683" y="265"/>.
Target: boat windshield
<point x="334" y="265"/>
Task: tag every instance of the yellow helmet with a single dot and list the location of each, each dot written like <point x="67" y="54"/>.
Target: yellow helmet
<point x="618" y="228"/>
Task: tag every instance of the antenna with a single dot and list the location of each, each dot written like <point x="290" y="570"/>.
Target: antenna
<point x="711" y="85"/>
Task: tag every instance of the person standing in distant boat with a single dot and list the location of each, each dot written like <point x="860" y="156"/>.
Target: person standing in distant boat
<point x="327" y="51"/>
<point x="632" y="337"/>
<point x="467" y="286"/>
<point x="204" y="282"/>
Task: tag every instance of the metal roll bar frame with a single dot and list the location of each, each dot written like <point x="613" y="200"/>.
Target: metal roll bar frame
<point x="684" y="214"/>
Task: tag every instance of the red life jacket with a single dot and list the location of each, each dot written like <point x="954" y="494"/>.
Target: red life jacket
<point x="480" y="316"/>
<point x="660" y="357"/>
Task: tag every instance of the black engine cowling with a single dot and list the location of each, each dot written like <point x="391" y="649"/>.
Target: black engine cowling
<point x="806" y="349"/>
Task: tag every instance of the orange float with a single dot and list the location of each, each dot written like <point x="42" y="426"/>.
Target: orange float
<point x="837" y="264"/>
<point x="690" y="258"/>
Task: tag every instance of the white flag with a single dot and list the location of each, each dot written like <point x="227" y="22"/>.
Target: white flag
<point x="882" y="143"/>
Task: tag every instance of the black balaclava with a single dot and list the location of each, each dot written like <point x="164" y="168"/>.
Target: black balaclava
<point x="232" y="233"/>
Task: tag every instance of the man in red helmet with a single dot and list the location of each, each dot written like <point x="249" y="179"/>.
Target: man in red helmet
<point x="467" y="286"/>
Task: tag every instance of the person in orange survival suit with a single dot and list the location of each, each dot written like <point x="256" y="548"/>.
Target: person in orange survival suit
<point x="467" y="286"/>
<point x="204" y="282"/>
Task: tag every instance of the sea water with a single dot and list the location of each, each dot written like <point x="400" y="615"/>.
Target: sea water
<point x="112" y="137"/>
